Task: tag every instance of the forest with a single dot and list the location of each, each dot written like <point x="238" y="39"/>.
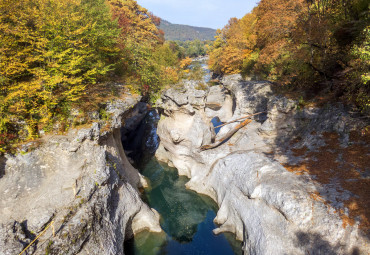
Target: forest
<point x="190" y="49"/>
<point x="312" y="47"/>
<point x="60" y="56"/>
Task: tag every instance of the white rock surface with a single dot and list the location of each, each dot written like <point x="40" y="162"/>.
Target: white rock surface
<point x="82" y="182"/>
<point x="272" y="210"/>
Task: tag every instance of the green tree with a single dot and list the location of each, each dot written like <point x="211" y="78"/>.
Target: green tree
<point x="141" y="44"/>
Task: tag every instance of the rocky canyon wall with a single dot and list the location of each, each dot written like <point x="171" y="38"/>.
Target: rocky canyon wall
<point x="273" y="210"/>
<point x="82" y="183"/>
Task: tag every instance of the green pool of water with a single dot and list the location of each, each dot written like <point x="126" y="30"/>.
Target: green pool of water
<point x="186" y="218"/>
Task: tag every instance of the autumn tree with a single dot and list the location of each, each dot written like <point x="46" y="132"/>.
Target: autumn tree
<point x="234" y="45"/>
<point x="54" y="53"/>
<point x="50" y="52"/>
<point x="313" y="45"/>
<point x="141" y="43"/>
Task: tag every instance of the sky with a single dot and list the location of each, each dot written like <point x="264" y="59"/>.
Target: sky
<point x="202" y="13"/>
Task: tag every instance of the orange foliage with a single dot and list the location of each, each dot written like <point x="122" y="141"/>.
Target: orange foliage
<point x="234" y="43"/>
<point x="300" y="43"/>
<point x="184" y="63"/>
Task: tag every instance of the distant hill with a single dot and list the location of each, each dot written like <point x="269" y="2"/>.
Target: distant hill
<point x="184" y="32"/>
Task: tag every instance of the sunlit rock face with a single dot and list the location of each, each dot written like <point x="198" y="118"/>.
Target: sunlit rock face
<point x="273" y="210"/>
<point x="83" y="183"/>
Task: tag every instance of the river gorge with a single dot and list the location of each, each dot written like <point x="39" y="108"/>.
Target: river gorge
<point x="274" y="187"/>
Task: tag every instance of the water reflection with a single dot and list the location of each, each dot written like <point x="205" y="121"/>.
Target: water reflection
<point x="181" y="210"/>
<point x="186" y="218"/>
<point x="216" y="123"/>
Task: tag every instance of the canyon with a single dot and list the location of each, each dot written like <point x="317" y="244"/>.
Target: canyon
<point x="292" y="181"/>
<point x="270" y="207"/>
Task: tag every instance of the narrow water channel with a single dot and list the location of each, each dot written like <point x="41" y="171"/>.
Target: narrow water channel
<point x="186" y="218"/>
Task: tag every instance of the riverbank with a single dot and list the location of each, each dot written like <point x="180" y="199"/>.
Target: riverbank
<point x="271" y="208"/>
<point x="77" y="193"/>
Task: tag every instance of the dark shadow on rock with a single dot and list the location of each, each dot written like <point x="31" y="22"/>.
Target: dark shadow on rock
<point x="24" y="236"/>
<point x="141" y="142"/>
<point x="129" y="246"/>
<point x="260" y="101"/>
<point x="313" y="142"/>
<point x="2" y="166"/>
<point x="314" y="244"/>
<point x="129" y="235"/>
<point x="114" y="198"/>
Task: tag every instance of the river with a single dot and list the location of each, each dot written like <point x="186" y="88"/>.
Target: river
<point x="186" y="218"/>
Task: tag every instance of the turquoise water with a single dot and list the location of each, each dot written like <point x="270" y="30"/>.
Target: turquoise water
<point x="186" y="218"/>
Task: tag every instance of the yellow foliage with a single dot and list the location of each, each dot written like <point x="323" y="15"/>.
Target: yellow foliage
<point x="233" y="44"/>
<point x="184" y="63"/>
<point x="53" y="53"/>
<point x="144" y="55"/>
<point x="50" y="52"/>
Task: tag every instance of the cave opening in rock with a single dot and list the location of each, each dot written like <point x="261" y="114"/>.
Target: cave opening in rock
<point x="139" y="136"/>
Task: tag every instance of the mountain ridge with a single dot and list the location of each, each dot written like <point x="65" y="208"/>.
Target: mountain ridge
<point x="179" y="32"/>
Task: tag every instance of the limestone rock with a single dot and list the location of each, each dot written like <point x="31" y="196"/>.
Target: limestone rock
<point x="272" y="210"/>
<point x="216" y="97"/>
<point x="81" y="181"/>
